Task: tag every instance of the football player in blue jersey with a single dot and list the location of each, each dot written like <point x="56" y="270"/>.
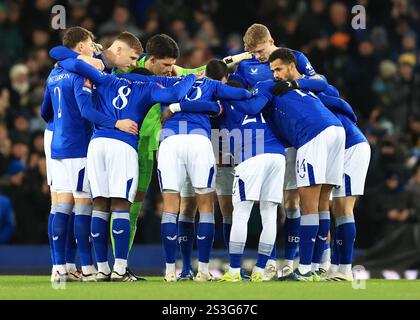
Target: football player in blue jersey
<point x="67" y="103"/>
<point x="258" y="177"/>
<point x="186" y="138"/>
<point x="112" y="158"/>
<point x="356" y="163"/>
<point x="258" y="41"/>
<point x="301" y="120"/>
<point x="160" y="59"/>
<point x="122" y="54"/>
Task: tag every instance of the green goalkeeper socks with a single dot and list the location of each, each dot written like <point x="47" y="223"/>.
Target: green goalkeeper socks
<point x="135" y="209"/>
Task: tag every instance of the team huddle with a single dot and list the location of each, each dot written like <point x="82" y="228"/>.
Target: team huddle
<point x="282" y="131"/>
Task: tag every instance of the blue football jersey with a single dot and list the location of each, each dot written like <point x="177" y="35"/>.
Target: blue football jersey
<point x="50" y="125"/>
<point x="121" y="98"/>
<point x="60" y="53"/>
<point x="295" y="117"/>
<point x="71" y="131"/>
<point x="243" y="136"/>
<point x="343" y="111"/>
<point x="329" y="96"/>
<point x="353" y="134"/>
<point x="253" y="132"/>
<point x="251" y="71"/>
<point x="199" y="123"/>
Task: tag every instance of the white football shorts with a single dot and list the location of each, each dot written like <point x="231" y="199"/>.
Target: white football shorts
<point x="321" y="160"/>
<point x="112" y="169"/>
<point x="260" y="178"/>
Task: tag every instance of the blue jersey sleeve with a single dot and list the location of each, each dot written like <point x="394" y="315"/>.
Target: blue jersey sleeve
<point x="338" y="105"/>
<point x="47" y="111"/>
<point x="224" y="91"/>
<point x="172" y="94"/>
<point x="251" y="106"/>
<point x="261" y="95"/>
<point x="61" y="53"/>
<point x="238" y="76"/>
<point x="303" y="65"/>
<point x="198" y="106"/>
<point x="331" y="91"/>
<point x="85" y="70"/>
<point x="312" y="84"/>
<point x="83" y="94"/>
<point x="165" y="81"/>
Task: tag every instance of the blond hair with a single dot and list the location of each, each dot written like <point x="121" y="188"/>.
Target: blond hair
<point x="131" y="40"/>
<point x="256" y="34"/>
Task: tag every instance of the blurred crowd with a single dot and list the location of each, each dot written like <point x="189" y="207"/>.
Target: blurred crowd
<point x="376" y="69"/>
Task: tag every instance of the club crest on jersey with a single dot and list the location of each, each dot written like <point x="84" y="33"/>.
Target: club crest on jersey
<point x="254" y="71"/>
<point x="122" y="95"/>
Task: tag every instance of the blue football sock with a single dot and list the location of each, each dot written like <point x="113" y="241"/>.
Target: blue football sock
<point x="50" y="234"/>
<point x="335" y="254"/>
<point x="100" y="234"/>
<point x="264" y="251"/>
<point x="82" y="221"/>
<point x="291" y="229"/>
<point x="205" y="236"/>
<point x="121" y="232"/>
<point x="324" y="228"/>
<point x="309" y="224"/>
<point x="273" y="255"/>
<point x="169" y="236"/>
<point x="71" y="245"/>
<point x="59" y="230"/>
<point x="186" y="233"/>
<point x="236" y="251"/>
<point x="346" y="235"/>
<point x="227" y="226"/>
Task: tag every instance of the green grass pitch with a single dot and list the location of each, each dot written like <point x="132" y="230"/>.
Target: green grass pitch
<point x="39" y="287"/>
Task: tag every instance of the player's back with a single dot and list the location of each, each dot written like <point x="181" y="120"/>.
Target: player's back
<point x="71" y="132"/>
<point x="122" y="99"/>
<point x="186" y="123"/>
<point x="251" y="71"/>
<point x="298" y="116"/>
<point x="353" y="133"/>
<point x="249" y="135"/>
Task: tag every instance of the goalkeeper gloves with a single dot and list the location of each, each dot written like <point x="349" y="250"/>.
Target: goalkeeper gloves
<point x="233" y="60"/>
<point x="97" y="48"/>
<point x="281" y="87"/>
